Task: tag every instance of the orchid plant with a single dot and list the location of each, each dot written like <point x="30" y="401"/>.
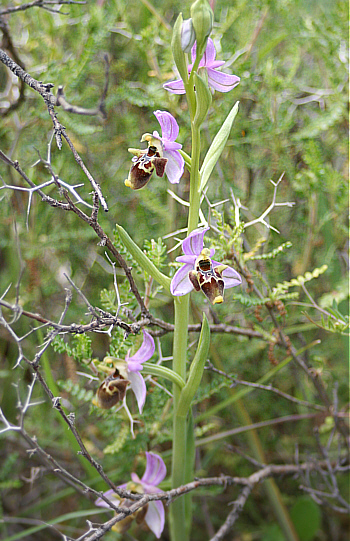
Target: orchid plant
<point x="199" y="271"/>
<point x="153" y="515"/>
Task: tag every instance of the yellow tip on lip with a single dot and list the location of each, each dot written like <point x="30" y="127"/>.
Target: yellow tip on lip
<point x="218" y="300"/>
<point x="128" y="183"/>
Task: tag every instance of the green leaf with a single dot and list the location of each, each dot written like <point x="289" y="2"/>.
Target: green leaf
<point x="306" y="516"/>
<point x="143" y="260"/>
<point x="217" y="147"/>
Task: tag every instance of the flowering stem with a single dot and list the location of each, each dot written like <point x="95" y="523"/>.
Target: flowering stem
<point x="195" y="180"/>
<point x="178" y="527"/>
<point x="177" y="509"/>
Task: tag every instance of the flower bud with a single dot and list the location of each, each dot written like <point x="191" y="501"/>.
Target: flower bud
<point x="202" y="18"/>
<point x="188" y="36"/>
<point x="176" y="47"/>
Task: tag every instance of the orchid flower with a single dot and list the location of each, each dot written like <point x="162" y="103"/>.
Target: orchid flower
<point x="113" y="389"/>
<point x="148" y="484"/>
<point x="201" y="272"/>
<point x="223" y="82"/>
<point x="162" y="154"/>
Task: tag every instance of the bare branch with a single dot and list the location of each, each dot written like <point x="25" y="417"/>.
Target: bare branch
<point x="237" y="508"/>
<point x="270" y="388"/>
<point x="99" y="110"/>
<point x="261" y="218"/>
<point x="44" y="89"/>
<point x="40" y="4"/>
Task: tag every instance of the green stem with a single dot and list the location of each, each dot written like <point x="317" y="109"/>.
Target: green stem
<point x="178" y="527"/>
<point x="195" y="180"/>
<point x="177" y="508"/>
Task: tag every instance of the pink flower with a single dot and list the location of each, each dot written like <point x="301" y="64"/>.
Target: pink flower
<point x="112" y="390"/>
<point x="134" y="367"/>
<point x="223" y="82"/>
<point x="154" y="474"/>
<point x="170" y="149"/>
<point x="161" y="156"/>
<point x="201" y="272"/>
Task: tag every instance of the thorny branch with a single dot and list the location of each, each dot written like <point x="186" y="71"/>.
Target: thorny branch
<point x="44" y="89"/>
<point x="41" y="4"/>
<point x="324" y="467"/>
<point x="270" y="388"/>
<point x="100" y="319"/>
<point x="261" y="219"/>
<point x="284" y="340"/>
<point x="7" y="44"/>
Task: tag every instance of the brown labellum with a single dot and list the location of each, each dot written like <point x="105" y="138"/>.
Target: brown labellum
<point x="208" y="279"/>
<point x="139" y="516"/>
<point x="144" y="163"/>
<point x="111" y="391"/>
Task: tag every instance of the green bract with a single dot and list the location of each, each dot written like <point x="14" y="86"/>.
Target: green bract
<point x="143" y="260"/>
<point x="203" y="99"/>
<point x="217" y="147"/>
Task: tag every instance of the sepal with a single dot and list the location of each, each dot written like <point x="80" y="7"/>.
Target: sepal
<point x="188" y="36"/>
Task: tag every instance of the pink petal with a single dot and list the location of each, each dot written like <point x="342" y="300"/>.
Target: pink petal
<point x="155" y="470"/>
<point x="135" y="478"/>
<point x="174" y="168"/>
<point x="175" y="87"/>
<point x="155" y="517"/>
<point x="216" y="64"/>
<point x="170" y="128"/>
<point x="111" y="495"/>
<point x="231" y="278"/>
<point x="180" y="284"/>
<point x="156" y="135"/>
<point x="170" y="145"/>
<point x="143" y="354"/>
<point x="223" y="82"/>
<point x="193" y="244"/>
<point x="189" y="259"/>
<point x="138" y="385"/>
<point x="209" y="54"/>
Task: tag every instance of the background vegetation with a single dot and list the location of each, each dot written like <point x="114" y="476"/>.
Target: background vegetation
<point x="291" y="57"/>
